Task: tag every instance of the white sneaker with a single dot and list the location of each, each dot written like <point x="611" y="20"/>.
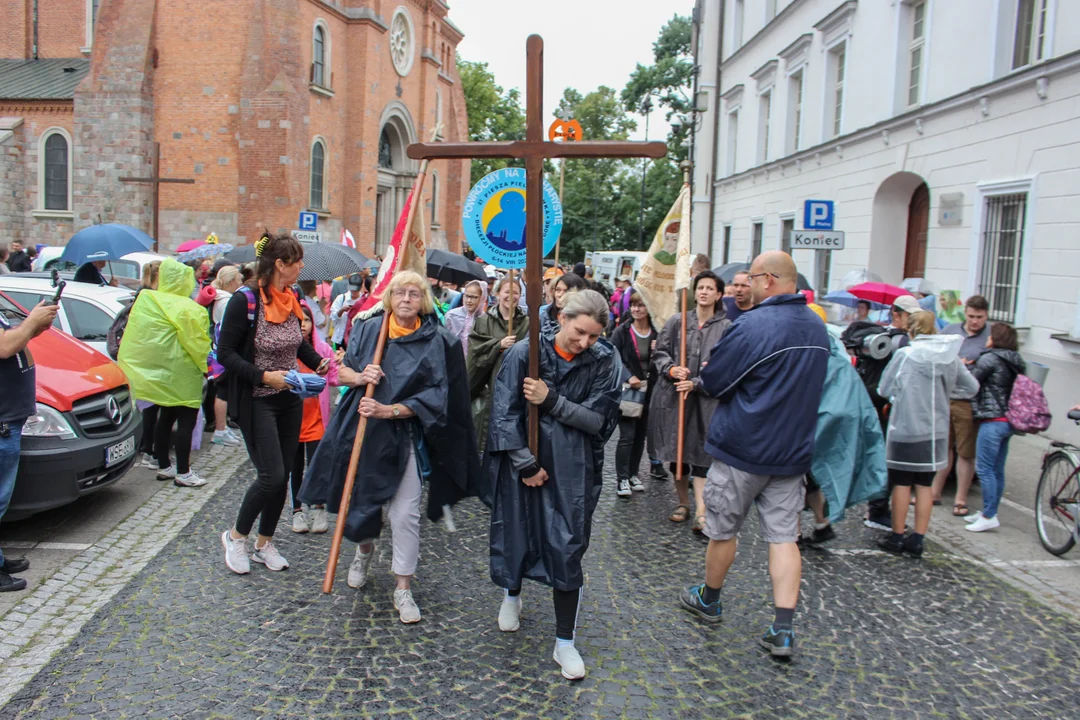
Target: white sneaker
<point x="168" y="473"/>
<point x="299" y="522"/>
<point x="149" y="462"/>
<point x="359" y="567"/>
<point x="318" y="520"/>
<point x="236" y="555"/>
<point x="983" y="524"/>
<point x="623" y="488"/>
<point x="406" y="607"/>
<point x="636" y="485"/>
<point x="189" y="479"/>
<point x="510" y="614"/>
<point x="972" y="518"/>
<point x="569" y="659"/>
<point x="270" y="557"/>
<point x="224" y="437"/>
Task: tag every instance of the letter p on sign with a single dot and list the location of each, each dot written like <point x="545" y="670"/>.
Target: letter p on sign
<point x="818" y="215"/>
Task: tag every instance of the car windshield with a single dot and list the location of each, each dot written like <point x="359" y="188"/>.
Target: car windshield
<point x="123" y="269"/>
<point x="11" y="312"/>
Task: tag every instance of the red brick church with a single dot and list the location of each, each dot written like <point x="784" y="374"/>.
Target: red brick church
<point x="272" y="107"/>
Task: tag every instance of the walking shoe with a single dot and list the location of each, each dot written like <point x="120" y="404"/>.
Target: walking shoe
<point x="821" y="535"/>
<point x="149" y="461"/>
<point x="636" y="484"/>
<point x="779" y="643"/>
<point x="913" y="548"/>
<point x="569" y="659"/>
<point x="10" y="584"/>
<point x="879" y="522"/>
<point x="189" y="479"/>
<point x="657" y="472"/>
<point x="406" y="607"/>
<point x="691" y="600"/>
<point x="167" y="473"/>
<point x="299" y="522"/>
<point x="891" y="543"/>
<point x="972" y="518"/>
<point x="510" y="614"/>
<point x="13" y="567"/>
<point x="623" y="488"/>
<point x="236" y="555"/>
<point x="983" y="524"/>
<point x="224" y="437"/>
<point x="270" y="557"/>
<point x="359" y="567"/>
<point x="318" y="520"/>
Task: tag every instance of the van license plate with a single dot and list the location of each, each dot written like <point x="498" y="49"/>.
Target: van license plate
<point x="119" y="452"/>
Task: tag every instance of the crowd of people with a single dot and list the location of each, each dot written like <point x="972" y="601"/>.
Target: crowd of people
<point x="768" y="401"/>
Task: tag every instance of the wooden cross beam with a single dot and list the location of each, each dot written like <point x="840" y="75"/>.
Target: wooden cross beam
<point x="533" y="150"/>
<point x="155" y="179"/>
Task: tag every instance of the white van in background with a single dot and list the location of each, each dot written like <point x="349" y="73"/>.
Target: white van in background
<point x="608" y="266"/>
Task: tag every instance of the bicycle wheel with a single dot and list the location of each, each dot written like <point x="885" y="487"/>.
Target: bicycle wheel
<point x="1057" y="502"/>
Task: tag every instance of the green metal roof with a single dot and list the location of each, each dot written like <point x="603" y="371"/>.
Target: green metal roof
<point x="46" y="79"/>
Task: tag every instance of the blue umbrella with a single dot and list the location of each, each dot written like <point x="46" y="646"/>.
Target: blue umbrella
<point x="111" y="241"/>
<point x="843" y="297"/>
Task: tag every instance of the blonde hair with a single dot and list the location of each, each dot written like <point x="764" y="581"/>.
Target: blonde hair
<point x="150" y="273"/>
<point x="403" y="278"/>
<point x="226" y="276"/>
<point x="921" y="323"/>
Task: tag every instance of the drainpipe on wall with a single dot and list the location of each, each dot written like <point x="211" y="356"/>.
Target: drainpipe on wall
<point x="35" y="22"/>
<point x="716" y="128"/>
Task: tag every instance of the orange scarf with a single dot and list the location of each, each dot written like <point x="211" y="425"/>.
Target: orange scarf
<point x="280" y="305"/>
<point x="397" y="331"/>
<point x="564" y="354"/>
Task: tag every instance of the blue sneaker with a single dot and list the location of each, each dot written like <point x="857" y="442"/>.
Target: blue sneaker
<point x="691" y="600"/>
<point x="779" y="643"/>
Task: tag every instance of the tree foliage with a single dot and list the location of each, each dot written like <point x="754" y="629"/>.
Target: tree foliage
<point x="494" y="114"/>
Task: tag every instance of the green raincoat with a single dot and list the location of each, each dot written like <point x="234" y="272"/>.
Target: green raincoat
<point x="166" y="341"/>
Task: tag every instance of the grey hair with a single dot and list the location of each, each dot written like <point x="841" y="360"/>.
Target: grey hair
<point x="586" y="302"/>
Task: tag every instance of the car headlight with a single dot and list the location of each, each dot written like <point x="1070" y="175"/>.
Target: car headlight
<point x="47" y="422"/>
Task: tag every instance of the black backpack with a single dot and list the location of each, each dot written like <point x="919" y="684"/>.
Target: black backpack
<point x="116" y="330"/>
<point x="872" y="346"/>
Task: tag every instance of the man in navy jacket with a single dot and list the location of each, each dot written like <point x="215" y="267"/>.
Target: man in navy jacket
<point x="767" y="371"/>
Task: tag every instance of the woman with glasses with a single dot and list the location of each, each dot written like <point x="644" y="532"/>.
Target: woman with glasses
<point x="461" y="319"/>
<point x="418" y="430"/>
<point x="563" y="286"/>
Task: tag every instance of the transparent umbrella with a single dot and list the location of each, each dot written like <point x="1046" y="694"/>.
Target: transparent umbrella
<point x="857" y="277"/>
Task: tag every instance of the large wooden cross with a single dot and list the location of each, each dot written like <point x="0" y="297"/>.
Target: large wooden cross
<point x="533" y="150"/>
<point x="155" y="179"/>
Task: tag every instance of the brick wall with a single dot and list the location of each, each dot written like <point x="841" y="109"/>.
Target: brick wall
<point x="12" y="179"/>
<point x="62" y="27"/>
<point x="14" y="34"/>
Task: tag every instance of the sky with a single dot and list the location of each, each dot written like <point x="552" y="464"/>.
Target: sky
<point x="587" y="43"/>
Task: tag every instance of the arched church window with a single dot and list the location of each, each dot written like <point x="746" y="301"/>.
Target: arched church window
<point x="434" y="198"/>
<point x="318" y="174"/>
<point x="318" y="56"/>
<point x="386" y="151"/>
<point x="56" y="171"/>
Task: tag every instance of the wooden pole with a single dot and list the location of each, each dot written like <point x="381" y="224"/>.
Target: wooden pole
<point x="510" y="322"/>
<point x="681" y="435"/>
<point x="534" y="220"/>
<point x="562" y="184"/>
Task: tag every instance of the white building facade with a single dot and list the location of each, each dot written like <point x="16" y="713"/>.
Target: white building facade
<point x="946" y="132"/>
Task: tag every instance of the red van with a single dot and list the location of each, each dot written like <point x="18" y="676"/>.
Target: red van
<point x="85" y="433"/>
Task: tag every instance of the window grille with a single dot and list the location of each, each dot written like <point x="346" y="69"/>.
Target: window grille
<point x="1002" y="244"/>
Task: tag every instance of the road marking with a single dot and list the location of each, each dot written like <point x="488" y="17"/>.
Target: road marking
<point x="1034" y="563"/>
<point x="1017" y="506"/>
<point x="30" y="545"/>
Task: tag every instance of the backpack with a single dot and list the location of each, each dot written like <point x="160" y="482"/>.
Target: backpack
<point x="1028" y="410"/>
<point x="873" y="347"/>
<point x="116" y="330"/>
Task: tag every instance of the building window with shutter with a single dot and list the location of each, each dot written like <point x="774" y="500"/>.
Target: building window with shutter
<point x="318" y="175"/>
<point x="55" y="171"/>
<point x="1001" y="251"/>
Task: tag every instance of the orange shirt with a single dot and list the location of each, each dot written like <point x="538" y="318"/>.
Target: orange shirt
<point x="397" y="331"/>
<point x="564" y="354"/>
<point x="311" y="427"/>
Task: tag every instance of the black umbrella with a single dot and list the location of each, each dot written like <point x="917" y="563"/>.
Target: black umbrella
<point x="728" y="272"/>
<point x="326" y="262"/>
<point x="454" y="268"/>
<point x="241" y="254"/>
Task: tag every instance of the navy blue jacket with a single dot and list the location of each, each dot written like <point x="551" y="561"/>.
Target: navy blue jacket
<point x="767" y="371"/>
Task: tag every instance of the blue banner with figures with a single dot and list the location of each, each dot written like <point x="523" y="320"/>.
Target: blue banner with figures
<point x="494" y="218"/>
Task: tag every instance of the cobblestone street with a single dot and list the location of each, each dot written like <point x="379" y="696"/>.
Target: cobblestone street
<point x="879" y="636"/>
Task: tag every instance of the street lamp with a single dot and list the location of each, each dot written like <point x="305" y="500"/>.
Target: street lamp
<point x="646" y="108"/>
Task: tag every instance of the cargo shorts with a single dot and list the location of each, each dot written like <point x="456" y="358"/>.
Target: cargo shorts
<point x="729" y="493"/>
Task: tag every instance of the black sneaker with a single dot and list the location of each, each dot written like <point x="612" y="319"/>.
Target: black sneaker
<point x="9" y="584"/>
<point x="891" y="543"/>
<point x="879" y="522"/>
<point x="779" y="643"/>
<point x="12" y="567"/>
<point x="819" y="536"/>
<point x="691" y="600"/>
<point x="912" y="548"/>
<point x="657" y="472"/>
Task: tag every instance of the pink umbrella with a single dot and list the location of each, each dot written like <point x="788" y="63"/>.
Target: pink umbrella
<point x="190" y="245"/>
<point x="878" y="292"/>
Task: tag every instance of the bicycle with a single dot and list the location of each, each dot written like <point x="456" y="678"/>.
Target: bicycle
<point x="1057" y="499"/>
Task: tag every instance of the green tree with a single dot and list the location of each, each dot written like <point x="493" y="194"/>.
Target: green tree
<point x="494" y="114"/>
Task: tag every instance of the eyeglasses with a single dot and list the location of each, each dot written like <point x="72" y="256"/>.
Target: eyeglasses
<point x="411" y="294"/>
<point x="763" y="274"/>
<point x="471" y="297"/>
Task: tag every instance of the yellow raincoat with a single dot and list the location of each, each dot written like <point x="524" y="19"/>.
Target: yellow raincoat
<point x="166" y="341"/>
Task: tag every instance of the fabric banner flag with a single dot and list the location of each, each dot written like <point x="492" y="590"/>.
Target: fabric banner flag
<point x="347" y="239"/>
<point x="408" y="247"/>
<point x="666" y="270"/>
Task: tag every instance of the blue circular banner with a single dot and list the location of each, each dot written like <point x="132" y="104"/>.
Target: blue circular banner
<point x="494" y="218"/>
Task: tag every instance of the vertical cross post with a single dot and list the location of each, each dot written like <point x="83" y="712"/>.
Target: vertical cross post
<point x="155" y="181"/>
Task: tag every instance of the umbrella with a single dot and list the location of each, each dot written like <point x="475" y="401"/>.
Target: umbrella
<point x="373" y="265"/>
<point x="241" y="254"/>
<point x="204" y="251"/>
<point x="189" y="245"/>
<point x="110" y="241"/>
<point x="862" y="275"/>
<point x="878" y="292"/>
<point x="728" y="272"/>
<point x="843" y="297"/>
<point x="919" y="285"/>
<point x="454" y="268"/>
<point x="326" y="262"/>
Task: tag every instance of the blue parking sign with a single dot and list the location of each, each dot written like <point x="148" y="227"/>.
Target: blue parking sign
<point x="309" y="221"/>
<point x="818" y="215"/>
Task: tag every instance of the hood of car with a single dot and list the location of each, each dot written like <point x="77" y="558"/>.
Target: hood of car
<point x="69" y="370"/>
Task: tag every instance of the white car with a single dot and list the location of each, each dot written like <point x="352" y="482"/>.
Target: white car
<point x="86" y="311"/>
<point x="127" y="270"/>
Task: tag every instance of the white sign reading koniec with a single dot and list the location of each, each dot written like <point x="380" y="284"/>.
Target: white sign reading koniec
<point x="819" y="240"/>
<point x="307" y="236"/>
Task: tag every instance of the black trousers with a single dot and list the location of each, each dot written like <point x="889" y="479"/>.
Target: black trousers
<point x="184" y="418"/>
<point x="631" y="445"/>
<point x="566" y="609"/>
<point x="304" y="448"/>
<point x="149" y="420"/>
<point x="208" y="403"/>
<point x="271" y="439"/>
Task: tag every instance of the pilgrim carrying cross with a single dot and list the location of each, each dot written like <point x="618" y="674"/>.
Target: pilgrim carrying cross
<point x="533" y="150"/>
<point x="155" y="179"/>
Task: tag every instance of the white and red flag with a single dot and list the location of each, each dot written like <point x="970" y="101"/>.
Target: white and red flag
<point x="347" y="239"/>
